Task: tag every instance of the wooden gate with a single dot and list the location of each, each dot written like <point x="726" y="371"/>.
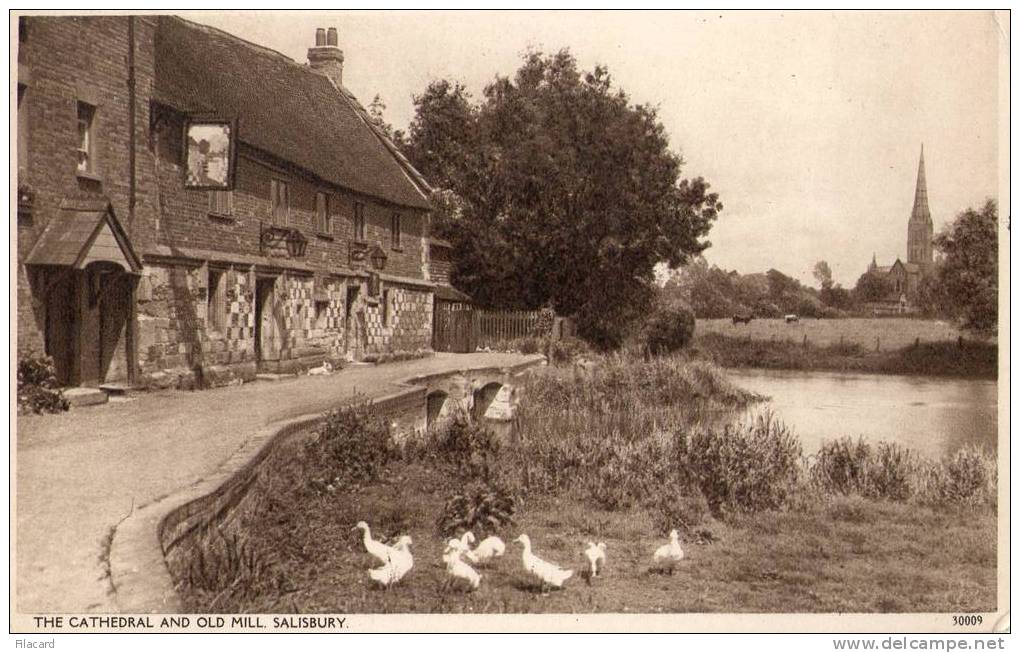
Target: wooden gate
<point x="453" y="327"/>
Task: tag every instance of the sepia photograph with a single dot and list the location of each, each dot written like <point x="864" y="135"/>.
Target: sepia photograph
<point x="510" y="321"/>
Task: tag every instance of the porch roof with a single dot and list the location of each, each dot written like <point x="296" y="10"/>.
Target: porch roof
<point x="84" y="231"/>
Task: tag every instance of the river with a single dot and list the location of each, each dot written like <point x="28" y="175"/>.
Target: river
<point x="933" y="416"/>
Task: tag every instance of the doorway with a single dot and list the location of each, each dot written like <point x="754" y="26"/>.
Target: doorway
<point x="61" y="323"/>
<point x="267" y="328"/>
<point x="352" y="329"/>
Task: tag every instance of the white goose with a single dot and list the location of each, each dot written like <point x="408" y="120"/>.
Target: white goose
<point x="399" y="562"/>
<point x="457" y="568"/>
<point x="374" y="547"/>
<point x="668" y="556"/>
<point x="546" y="572"/>
<point x="489" y="548"/>
<point x="596" y="555"/>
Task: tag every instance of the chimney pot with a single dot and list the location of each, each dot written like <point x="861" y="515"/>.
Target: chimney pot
<point x="331" y="38"/>
<point x="320" y="37"/>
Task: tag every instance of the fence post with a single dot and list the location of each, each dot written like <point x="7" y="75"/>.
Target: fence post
<point x="878" y="343"/>
<point x="805" y="340"/>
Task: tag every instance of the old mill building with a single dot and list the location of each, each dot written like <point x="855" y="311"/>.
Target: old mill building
<point x="190" y="203"/>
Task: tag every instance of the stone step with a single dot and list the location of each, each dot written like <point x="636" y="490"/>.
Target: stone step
<point x="80" y="397"/>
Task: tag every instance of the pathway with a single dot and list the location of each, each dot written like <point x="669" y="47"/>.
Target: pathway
<point x="81" y="472"/>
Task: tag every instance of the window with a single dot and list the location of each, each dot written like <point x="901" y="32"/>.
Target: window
<point x="86" y="138"/>
<point x="395" y="231"/>
<point x="216" y="300"/>
<point x="22" y="130"/>
<point x="359" y="221"/>
<point x="280" y="201"/>
<point x="322" y="213"/>
<point x="387" y="310"/>
<point x="221" y="202"/>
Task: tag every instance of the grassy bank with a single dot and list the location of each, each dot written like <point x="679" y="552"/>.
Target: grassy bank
<point x="976" y="360"/>
<point x="619" y="454"/>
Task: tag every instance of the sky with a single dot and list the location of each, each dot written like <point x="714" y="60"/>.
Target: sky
<point x="808" y="124"/>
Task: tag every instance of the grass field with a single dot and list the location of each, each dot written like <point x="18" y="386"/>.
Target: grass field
<point x="619" y="454"/>
<point x="886" y="333"/>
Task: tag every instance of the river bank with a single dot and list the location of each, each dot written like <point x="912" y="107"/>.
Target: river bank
<point x="620" y="453"/>
<point x="971" y="360"/>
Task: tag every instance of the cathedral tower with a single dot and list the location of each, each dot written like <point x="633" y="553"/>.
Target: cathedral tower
<point x="920" y="229"/>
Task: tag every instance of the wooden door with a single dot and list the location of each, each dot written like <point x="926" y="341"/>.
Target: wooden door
<point x="267" y="326"/>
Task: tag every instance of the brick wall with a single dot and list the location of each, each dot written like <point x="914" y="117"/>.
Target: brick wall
<point x="66" y="59"/>
<point x="62" y="60"/>
<point x="184" y="219"/>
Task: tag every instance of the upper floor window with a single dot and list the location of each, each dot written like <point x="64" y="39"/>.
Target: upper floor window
<point x="395" y="230"/>
<point x="322" y="213"/>
<point x="359" y="221"/>
<point x="221" y="202"/>
<point x="279" y="199"/>
<point x="22" y="129"/>
<point x="86" y="137"/>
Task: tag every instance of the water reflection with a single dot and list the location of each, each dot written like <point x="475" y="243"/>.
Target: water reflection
<point x="930" y="415"/>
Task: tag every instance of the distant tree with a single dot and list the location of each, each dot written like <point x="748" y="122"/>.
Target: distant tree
<point x="872" y="287"/>
<point x="823" y="273"/>
<point x="969" y="270"/>
<point x="377" y="111"/>
<point x="570" y="194"/>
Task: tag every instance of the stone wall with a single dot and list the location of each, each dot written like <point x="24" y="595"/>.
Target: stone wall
<point x="179" y="347"/>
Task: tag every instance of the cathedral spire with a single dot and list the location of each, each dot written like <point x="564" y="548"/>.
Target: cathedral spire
<point x="921" y="212"/>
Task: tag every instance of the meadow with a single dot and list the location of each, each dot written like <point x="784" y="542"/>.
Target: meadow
<point x="621" y="454"/>
<point x="885" y="333"/>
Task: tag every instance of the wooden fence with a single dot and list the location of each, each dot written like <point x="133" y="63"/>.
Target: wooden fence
<point x="459" y="327"/>
<point x="492" y="327"/>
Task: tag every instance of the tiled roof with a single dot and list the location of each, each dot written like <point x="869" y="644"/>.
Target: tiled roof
<point x="67" y="239"/>
<point x="283" y="108"/>
<point x="451" y="294"/>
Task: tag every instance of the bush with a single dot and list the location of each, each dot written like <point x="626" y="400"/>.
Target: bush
<point x="37" y="385"/>
<point x="968" y="478"/>
<point x="351" y="446"/>
<point x="748" y="467"/>
<point x="480" y="508"/>
<point x="669" y="328"/>
<point x="880" y="471"/>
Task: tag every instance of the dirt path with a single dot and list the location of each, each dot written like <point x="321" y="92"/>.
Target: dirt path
<point x="80" y="473"/>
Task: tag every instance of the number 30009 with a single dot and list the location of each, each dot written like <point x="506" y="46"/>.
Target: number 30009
<point x="966" y="620"/>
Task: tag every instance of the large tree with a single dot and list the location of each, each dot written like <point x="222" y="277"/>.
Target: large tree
<point x="969" y="270"/>
<point x="564" y="193"/>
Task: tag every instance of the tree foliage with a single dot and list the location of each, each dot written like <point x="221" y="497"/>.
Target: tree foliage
<point x="968" y="273"/>
<point x="565" y="193"/>
<point x="873" y="286"/>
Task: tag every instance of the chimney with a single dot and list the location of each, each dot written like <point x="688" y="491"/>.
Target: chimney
<point x="326" y="58"/>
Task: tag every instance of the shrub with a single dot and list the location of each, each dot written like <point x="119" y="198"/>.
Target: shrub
<point x="675" y="509"/>
<point x="749" y="467"/>
<point x="351" y="446"/>
<point x="565" y="350"/>
<point x="480" y="508"/>
<point x="969" y="477"/>
<point x="469" y="446"/>
<point x="880" y="471"/>
<point x="37" y="385"/>
<point x="669" y="328"/>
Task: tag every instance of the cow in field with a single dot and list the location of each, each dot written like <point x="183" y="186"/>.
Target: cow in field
<point x="742" y="319"/>
<point x="791" y="318"/>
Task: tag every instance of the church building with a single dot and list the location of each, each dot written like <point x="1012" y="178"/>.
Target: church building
<point x="905" y="278"/>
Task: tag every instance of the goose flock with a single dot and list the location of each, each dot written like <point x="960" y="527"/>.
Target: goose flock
<point x="459" y="556"/>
